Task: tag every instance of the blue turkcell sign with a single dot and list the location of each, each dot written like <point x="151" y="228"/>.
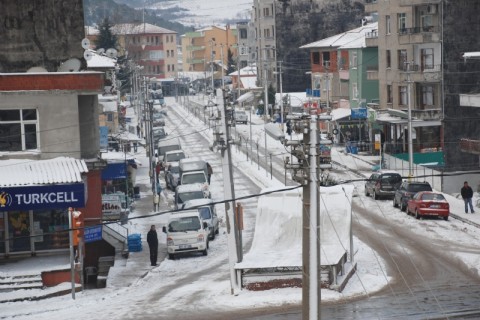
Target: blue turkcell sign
<point x="308" y="91"/>
<point x="42" y="197"/>
<point x="359" y="113"/>
<point x="92" y="234"/>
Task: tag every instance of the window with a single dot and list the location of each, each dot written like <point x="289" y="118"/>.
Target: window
<point x="173" y="67"/>
<point x="168" y="68"/>
<point x="388" y="29"/>
<point x="266" y="12"/>
<point x="426" y="22"/>
<point x="243" y="33"/>
<point x="326" y="59"/>
<point x="427" y="96"/>
<point x="402" y="22"/>
<point x="316" y="57"/>
<point x="389" y="59"/>
<point x="389" y="94"/>
<point x="355" y="90"/>
<point x="402" y="59"/>
<point x="402" y="96"/>
<point x="18" y="130"/>
<point x="266" y="33"/>
<point x="427" y="58"/>
<point x="354" y="59"/>
<point x="168" y="53"/>
<point x="110" y="117"/>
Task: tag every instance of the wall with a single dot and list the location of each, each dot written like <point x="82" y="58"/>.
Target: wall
<point x="40" y="33"/>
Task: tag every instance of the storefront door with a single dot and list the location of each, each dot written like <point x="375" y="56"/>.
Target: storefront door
<point x="19" y="231"/>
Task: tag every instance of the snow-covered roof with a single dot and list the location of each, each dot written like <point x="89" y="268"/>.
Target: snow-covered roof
<point x="471" y="55"/>
<point x="23" y="172"/>
<point x="249" y="82"/>
<point x="190" y="187"/>
<point x="108" y="104"/>
<point x="100" y="61"/>
<point x="340" y="113"/>
<point x="140" y="28"/>
<point x="350" y="39"/>
<point x="296" y="98"/>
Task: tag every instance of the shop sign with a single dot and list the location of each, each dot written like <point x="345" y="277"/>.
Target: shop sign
<point x="92" y="234"/>
<point x="358" y="113"/>
<point x="111" y="206"/>
<point x="42" y="197"/>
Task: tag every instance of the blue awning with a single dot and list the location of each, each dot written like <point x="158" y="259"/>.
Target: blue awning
<point x="116" y="170"/>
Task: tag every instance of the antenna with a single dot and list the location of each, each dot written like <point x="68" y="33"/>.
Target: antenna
<point x="100" y="51"/>
<point x="111" y="53"/>
<point x="85" y="43"/>
<point x="71" y="65"/>
<point x="87" y="55"/>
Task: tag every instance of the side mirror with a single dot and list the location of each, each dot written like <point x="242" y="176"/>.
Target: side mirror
<point x="164" y="229"/>
<point x="205" y="225"/>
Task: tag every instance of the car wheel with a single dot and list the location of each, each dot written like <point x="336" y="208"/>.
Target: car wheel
<point x="217" y="231"/>
<point x="395" y="205"/>
<point x="205" y="252"/>
<point x="445" y="218"/>
<point x="366" y="191"/>
<point x="375" y="195"/>
<point x="212" y="236"/>
<point x="403" y="207"/>
<point x="171" y="256"/>
<point x="417" y="215"/>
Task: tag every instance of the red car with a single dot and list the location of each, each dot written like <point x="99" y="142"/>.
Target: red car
<point x="427" y="203"/>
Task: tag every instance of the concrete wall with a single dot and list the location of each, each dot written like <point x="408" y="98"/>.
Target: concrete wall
<point x="40" y="33"/>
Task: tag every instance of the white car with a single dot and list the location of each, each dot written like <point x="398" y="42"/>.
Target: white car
<point x="240" y="117"/>
<point x="208" y="213"/>
<point x="186" y="232"/>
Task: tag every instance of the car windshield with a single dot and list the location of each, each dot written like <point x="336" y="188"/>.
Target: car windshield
<point x="205" y="212"/>
<point x="419" y="187"/>
<point x="176" y="156"/>
<point x="174" y="169"/>
<point x="433" y="196"/>
<point x="193" y="178"/>
<point x="184" y="224"/>
<point x="185" y="196"/>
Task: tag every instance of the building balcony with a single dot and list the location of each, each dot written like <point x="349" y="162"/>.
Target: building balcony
<point x="195" y="48"/>
<point x="195" y="61"/>
<point x="371" y="39"/>
<point x="470" y="100"/>
<point x="470" y="146"/>
<point x="415" y="35"/>
<point x="428" y="113"/>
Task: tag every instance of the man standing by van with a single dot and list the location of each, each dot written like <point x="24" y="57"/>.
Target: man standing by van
<point x="209" y="172"/>
<point x="152" y="241"/>
<point x="467" y="195"/>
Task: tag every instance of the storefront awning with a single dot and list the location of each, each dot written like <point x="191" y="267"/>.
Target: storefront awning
<point x="40" y="172"/>
<point x="246" y="97"/>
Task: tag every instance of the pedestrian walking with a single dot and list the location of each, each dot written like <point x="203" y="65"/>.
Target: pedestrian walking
<point x="209" y="172"/>
<point x="152" y="241"/>
<point x="138" y="131"/>
<point x="467" y="195"/>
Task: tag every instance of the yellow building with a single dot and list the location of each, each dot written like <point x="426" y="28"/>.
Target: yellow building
<point x="201" y="47"/>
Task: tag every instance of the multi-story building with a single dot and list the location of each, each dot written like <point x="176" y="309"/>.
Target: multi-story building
<point x="410" y="72"/>
<point x="263" y="19"/>
<point x="207" y="47"/>
<point x="152" y="47"/>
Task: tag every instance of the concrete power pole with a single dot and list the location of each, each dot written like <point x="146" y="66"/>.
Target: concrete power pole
<point x="229" y="193"/>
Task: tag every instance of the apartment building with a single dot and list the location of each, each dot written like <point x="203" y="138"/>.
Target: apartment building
<point x="207" y="49"/>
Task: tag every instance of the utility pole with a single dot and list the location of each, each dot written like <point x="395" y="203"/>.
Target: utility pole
<point x="281" y="96"/>
<point x="238" y="70"/>
<point x="410" y="140"/>
<point x="211" y="62"/>
<point x="222" y="64"/>
<point x="265" y="110"/>
<point x="229" y="193"/>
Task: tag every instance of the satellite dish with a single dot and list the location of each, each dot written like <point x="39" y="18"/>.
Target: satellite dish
<point x="87" y="55"/>
<point x="71" y="65"/>
<point x="85" y="43"/>
<point x="111" y="53"/>
<point x="100" y="51"/>
<point x="36" y="70"/>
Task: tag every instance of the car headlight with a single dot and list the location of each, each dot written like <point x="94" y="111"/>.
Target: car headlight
<point x="170" y="241"/>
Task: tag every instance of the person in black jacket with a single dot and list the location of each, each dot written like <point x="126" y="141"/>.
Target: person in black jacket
<point x="467" y="195"/>
<point x="152" y="241"/>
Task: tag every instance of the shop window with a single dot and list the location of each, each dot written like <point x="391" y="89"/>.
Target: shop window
<point x="50" y="229"/>
<point x="18" y="130"/>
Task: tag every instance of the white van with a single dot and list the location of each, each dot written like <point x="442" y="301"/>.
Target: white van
<point x="187" y="192"/>
<point x="186" y="232"/>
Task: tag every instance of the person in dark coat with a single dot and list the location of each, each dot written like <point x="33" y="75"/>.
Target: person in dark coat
<point x="209" y="171"/>
<point x="152" y="241"/>
<point x="467" y="195"/>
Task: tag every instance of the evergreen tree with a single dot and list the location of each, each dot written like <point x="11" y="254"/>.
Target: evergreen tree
<point x="106" y="39"/>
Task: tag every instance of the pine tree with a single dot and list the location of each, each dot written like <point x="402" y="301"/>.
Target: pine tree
<point x="106" y="39"/>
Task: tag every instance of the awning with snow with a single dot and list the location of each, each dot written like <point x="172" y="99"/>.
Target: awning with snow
<point x="246" y="97"/>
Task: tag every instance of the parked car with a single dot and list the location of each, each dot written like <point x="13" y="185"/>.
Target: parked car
<point x="158" y="119"/>
<point x="406" y="192"/>
<point x="428" y="203"/>
<point x="240" y="116"/>
<point x="187" y="192"/>
<point x="208" y="213"/>
<point x="186" y="232"/>
<point x="172" y="175"/>
<point x="158" y="134"/>
<point x="382" y="184"/>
